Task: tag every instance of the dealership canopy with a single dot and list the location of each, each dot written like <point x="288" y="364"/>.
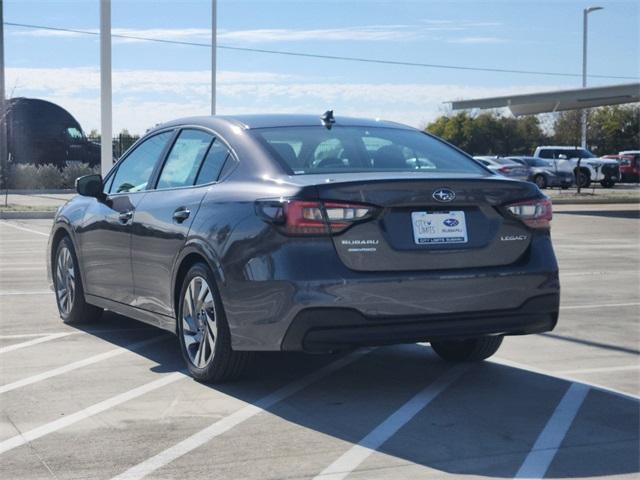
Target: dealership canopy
<point x="545" y="102"/>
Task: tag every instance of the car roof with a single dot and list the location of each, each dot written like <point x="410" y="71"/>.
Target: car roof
<point x="278" y="120"/>
<point x="561" y="147"/>
<point x="629" y="152"/>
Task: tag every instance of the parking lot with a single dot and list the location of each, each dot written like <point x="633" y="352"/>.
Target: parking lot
<point x="110" y="399"/>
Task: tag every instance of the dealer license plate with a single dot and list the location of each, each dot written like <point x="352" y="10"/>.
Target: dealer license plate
<point x="439" y="227"/>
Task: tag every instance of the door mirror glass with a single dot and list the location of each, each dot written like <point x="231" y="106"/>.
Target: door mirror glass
<point x="90" y="186"/>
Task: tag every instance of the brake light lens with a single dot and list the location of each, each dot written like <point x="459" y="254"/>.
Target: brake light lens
<point x="302" y="217"/>
<point x="535" y="213"/>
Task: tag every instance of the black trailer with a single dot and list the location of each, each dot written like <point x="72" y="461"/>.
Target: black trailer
<point x="41" y="132"/>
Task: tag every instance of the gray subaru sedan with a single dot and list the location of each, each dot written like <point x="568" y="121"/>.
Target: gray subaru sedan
<point x="313" y="233"/>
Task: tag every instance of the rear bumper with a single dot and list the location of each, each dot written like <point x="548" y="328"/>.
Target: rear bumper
<point x="389" y="307"/>
<point x="327" y="329"/>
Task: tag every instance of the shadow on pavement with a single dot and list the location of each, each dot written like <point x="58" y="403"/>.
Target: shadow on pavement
<point x="485" y="423"/>
<point x="634" y="214"/>
<point x="591" y="343"/>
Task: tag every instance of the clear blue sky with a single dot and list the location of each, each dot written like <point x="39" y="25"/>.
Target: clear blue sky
<point x="156" y="82"/>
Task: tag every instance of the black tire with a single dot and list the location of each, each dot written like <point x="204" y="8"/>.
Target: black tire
<point x="583" y="178"/>
<point x="470" y="350"/>
<point x="540" y="181"/>
<point x="73" y="309"/>
<point x="607" y="183"/>
<point x="224" y="363"/>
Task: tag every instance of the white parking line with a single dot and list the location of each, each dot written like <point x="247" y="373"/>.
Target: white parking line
<point x="97" y="331"/>
<point x="23" y="335"/>
<point x="600" y="305"/>
<point x="560" y="376"/>
<point x="56" y="425"/>
<point x="548" y="442"/>
<point x="357" y="454"/>
<point x="23" y="228"/>
<point x="35" y="341"/>
<point x="34" y="292"/>
<point x="227" y="423"/>
<point x="79" y="364"/>
<point x="619" y="368"/>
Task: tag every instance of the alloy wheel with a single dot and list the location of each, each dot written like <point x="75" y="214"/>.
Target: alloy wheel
<point x="199" y="326"/>
<point x="65" y="281"/>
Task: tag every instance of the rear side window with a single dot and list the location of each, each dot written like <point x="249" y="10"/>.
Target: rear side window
<point x="135" y="170"/>
<point x="308" y="150"/>
<point x="184" y="160"/>
<point x="216" y="157"/>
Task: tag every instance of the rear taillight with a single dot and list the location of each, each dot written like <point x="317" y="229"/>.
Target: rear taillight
<point x="303" y="217"/>
<point x="534" y="213"/>
<point x="504" y="169"/>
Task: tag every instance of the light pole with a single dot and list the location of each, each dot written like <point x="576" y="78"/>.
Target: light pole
<point x="585" y="29"/>
<point x="106" y="125"/>
<point x="214" y="45"/>
<point x="4" y="167"/>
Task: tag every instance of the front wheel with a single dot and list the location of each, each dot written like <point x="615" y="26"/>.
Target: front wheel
<point x="469" y="350"/>
<point x="607" y="183"/>
<point x="203" y="330"/>
<point x="540" y="181"/>
<point x="68" y="287"/>
<point x="583" y="178"/>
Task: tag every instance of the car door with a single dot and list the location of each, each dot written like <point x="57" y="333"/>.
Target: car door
<point x="104" y="235"/>
<point x="164" y="216"/>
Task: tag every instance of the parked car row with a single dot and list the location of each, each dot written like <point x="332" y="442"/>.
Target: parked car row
<point x="543" y="173"/>
<point x="629" y="163"/>
<point x="562" y="166"/>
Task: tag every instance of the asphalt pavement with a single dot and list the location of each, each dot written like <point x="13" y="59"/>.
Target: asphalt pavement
<point x="110" y="399"/>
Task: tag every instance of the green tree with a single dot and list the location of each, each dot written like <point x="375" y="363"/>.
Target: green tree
<point x="612" y="129"/>
<point x="489" y="134"/>
<point x="567" y="129"/>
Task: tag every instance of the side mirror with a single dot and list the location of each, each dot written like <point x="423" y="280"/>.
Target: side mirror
<point x="90" y="186"/>
<point x="562" y="156"/>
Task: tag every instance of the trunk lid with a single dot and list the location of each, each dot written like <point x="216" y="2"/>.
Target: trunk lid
<point x="420" y="227"/>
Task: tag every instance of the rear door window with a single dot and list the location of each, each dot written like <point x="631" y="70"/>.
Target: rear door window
<point x="184" y="159"/>
<point x="213" y="163"/>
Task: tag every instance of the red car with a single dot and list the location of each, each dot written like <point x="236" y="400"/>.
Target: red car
<point x="629" y="165"/>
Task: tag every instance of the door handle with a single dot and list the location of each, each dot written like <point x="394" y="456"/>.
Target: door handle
<point x="181" y="214"/>
<point x="124" y="217"/>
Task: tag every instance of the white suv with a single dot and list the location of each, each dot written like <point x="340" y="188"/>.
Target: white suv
<point x="592" y="169"/>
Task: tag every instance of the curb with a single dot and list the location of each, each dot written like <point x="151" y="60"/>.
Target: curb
<point x="27" y="215"/>
<point x="50" y="191"/>
<point x="595" y="201"/>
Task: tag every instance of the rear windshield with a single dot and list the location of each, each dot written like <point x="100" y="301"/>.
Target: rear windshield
<point x="307" y="150"/>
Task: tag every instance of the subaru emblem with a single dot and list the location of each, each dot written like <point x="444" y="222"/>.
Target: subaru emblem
<point x="451" y="222"/>
<point x="444" y="195"/>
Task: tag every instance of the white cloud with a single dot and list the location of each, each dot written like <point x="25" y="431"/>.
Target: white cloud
<point x="358" y="33"/>
<point x="371" y="33"/>
<point x="143" y="98"/>
<point x="477" y="40"/>
<point x="203" y="35"/>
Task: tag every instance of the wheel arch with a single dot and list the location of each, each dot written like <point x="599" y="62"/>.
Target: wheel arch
<point x="61" y="230"/>
<point x="191" y="254"/>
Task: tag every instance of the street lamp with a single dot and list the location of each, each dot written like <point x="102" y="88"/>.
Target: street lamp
<point x="585" y="28"/>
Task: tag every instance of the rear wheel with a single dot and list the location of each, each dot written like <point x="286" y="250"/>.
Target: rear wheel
<point x="540" y="181"/>
<point x="607" y="183"/>
<point x="68" y="287"/>
<point x="203" y="330"/>
<point x="583" y="178"/>
<point x="469" y="350"/>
